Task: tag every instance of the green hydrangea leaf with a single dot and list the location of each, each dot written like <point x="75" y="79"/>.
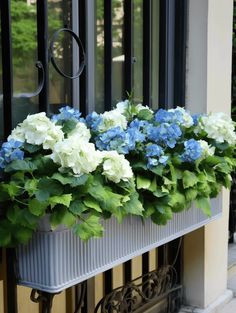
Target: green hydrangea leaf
<point x="191" y="194"/>
<point x="5" y="236"/>
<point x="145" y="114"/>
<point x="69" y="125"/>
<point x="70" y="180"/>
<point x="77" y="207"/>
<point x="133" y="206"/>
<point x="89" y="228"/>
<point x="177" y="202"/>
<point x="108" y="200"/>
<point x="22" y="234"/>
<point x="189" y="179"/>
<point x="63" y="199"/>
<point x="37" y="208"/>
<point x="31" y="148"/>
<point x="143" y="182"/>
<point x="20" y="165"/>
<point x="204" y="205"/>
<point x="48" y="185"/>
<point x="93" y="204"/>
<point x="62" y="216"/>
<point x="31" y="186"/>
<point x="162" y="215"/>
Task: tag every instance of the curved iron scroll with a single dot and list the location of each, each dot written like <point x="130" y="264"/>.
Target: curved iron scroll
<point x="40" y="68"/>
<point x="51" y="54"/>
<point x="155" y="285"/>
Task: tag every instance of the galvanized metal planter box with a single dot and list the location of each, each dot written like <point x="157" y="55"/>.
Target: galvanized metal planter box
<point x="54" y="261"/>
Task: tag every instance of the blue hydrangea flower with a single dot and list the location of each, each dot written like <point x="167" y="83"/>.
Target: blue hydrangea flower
<point x="195" y="118"/>
<point x="166" y="134"/>
<point x="93" y="120"/>
<point x="164" y="116"/>
<point x="113" y="139"/>
<point x="153" y="150"/>
<point x="10" y="151"/>
<point x="155" y="155"/>
<point x="66" y="113"/>
<point x="192" y="151"/>
<point x="135" y="136"/>
<point x="139" y="124"/>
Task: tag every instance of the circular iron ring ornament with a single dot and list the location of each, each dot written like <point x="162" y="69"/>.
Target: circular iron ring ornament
<point x="81" y="50"/>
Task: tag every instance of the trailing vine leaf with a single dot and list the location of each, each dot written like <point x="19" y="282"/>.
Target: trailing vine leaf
<point x="92" y="203"/>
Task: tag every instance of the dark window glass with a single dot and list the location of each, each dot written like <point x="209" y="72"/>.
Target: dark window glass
<point x="60" y="88"/>
<point x="24" y="50"/>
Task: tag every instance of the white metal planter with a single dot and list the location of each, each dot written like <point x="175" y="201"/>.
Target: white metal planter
<point x="56" y="260"/>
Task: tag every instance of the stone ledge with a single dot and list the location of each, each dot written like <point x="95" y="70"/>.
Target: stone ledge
<point x="215" y="307"/>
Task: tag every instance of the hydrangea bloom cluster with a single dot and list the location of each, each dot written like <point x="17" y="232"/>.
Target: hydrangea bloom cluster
<point x="155" y="155"/>
<point x="38" y="129"/>
<point x="165" y="134"/>
<point x="219" y="127"/>
<point x="192" y="151"/>
<point x="66" y="113"/>
<point x="10" y="151"/>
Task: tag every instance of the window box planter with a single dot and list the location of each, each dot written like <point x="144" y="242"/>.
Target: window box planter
<point x="55" y="260"/>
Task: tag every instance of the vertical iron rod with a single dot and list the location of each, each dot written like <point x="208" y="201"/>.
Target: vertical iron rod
<point x="7" y="74"/>
<point x="147" y="52"/>
<point x="42" y="37"/>
<point x="7" y="69"/>
<point x="180" y="51"/>
<point x="128" y="47"/>
<point x="82" y="35"/>
<point x="108" y="53"/>
<point x="166" y="61"/>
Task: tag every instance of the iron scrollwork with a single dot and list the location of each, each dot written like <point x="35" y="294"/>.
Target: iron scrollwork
<point x="80" y="45"/>
<point x="150" y="288"/>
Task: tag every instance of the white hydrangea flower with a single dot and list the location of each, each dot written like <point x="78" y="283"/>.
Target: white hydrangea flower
<point x="140" y="107"/>
<point x="122" y="106"/>
<point x="187" y="118"/>
<point x="116" y="167"/>
<point x="112" y="119"/>
<point x="81" y="132"/>
<point x="38" y="129"/>
<point x="17" y="134"/>
<point x="207" y="150"/>
<point x="80" y="156"/>
<point x="219" y="126"/>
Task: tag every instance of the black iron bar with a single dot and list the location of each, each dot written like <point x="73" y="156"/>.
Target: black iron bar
<point x="82" y="35"/>
<point x="147" y="52"/>
<point x="180" y="51"/>
<point x="108" y="54"/>
<point x="166" y="59"/>
<point x="128" y="47"/>
<point x="7" y="70"/>
<point x="42" y="38"/>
